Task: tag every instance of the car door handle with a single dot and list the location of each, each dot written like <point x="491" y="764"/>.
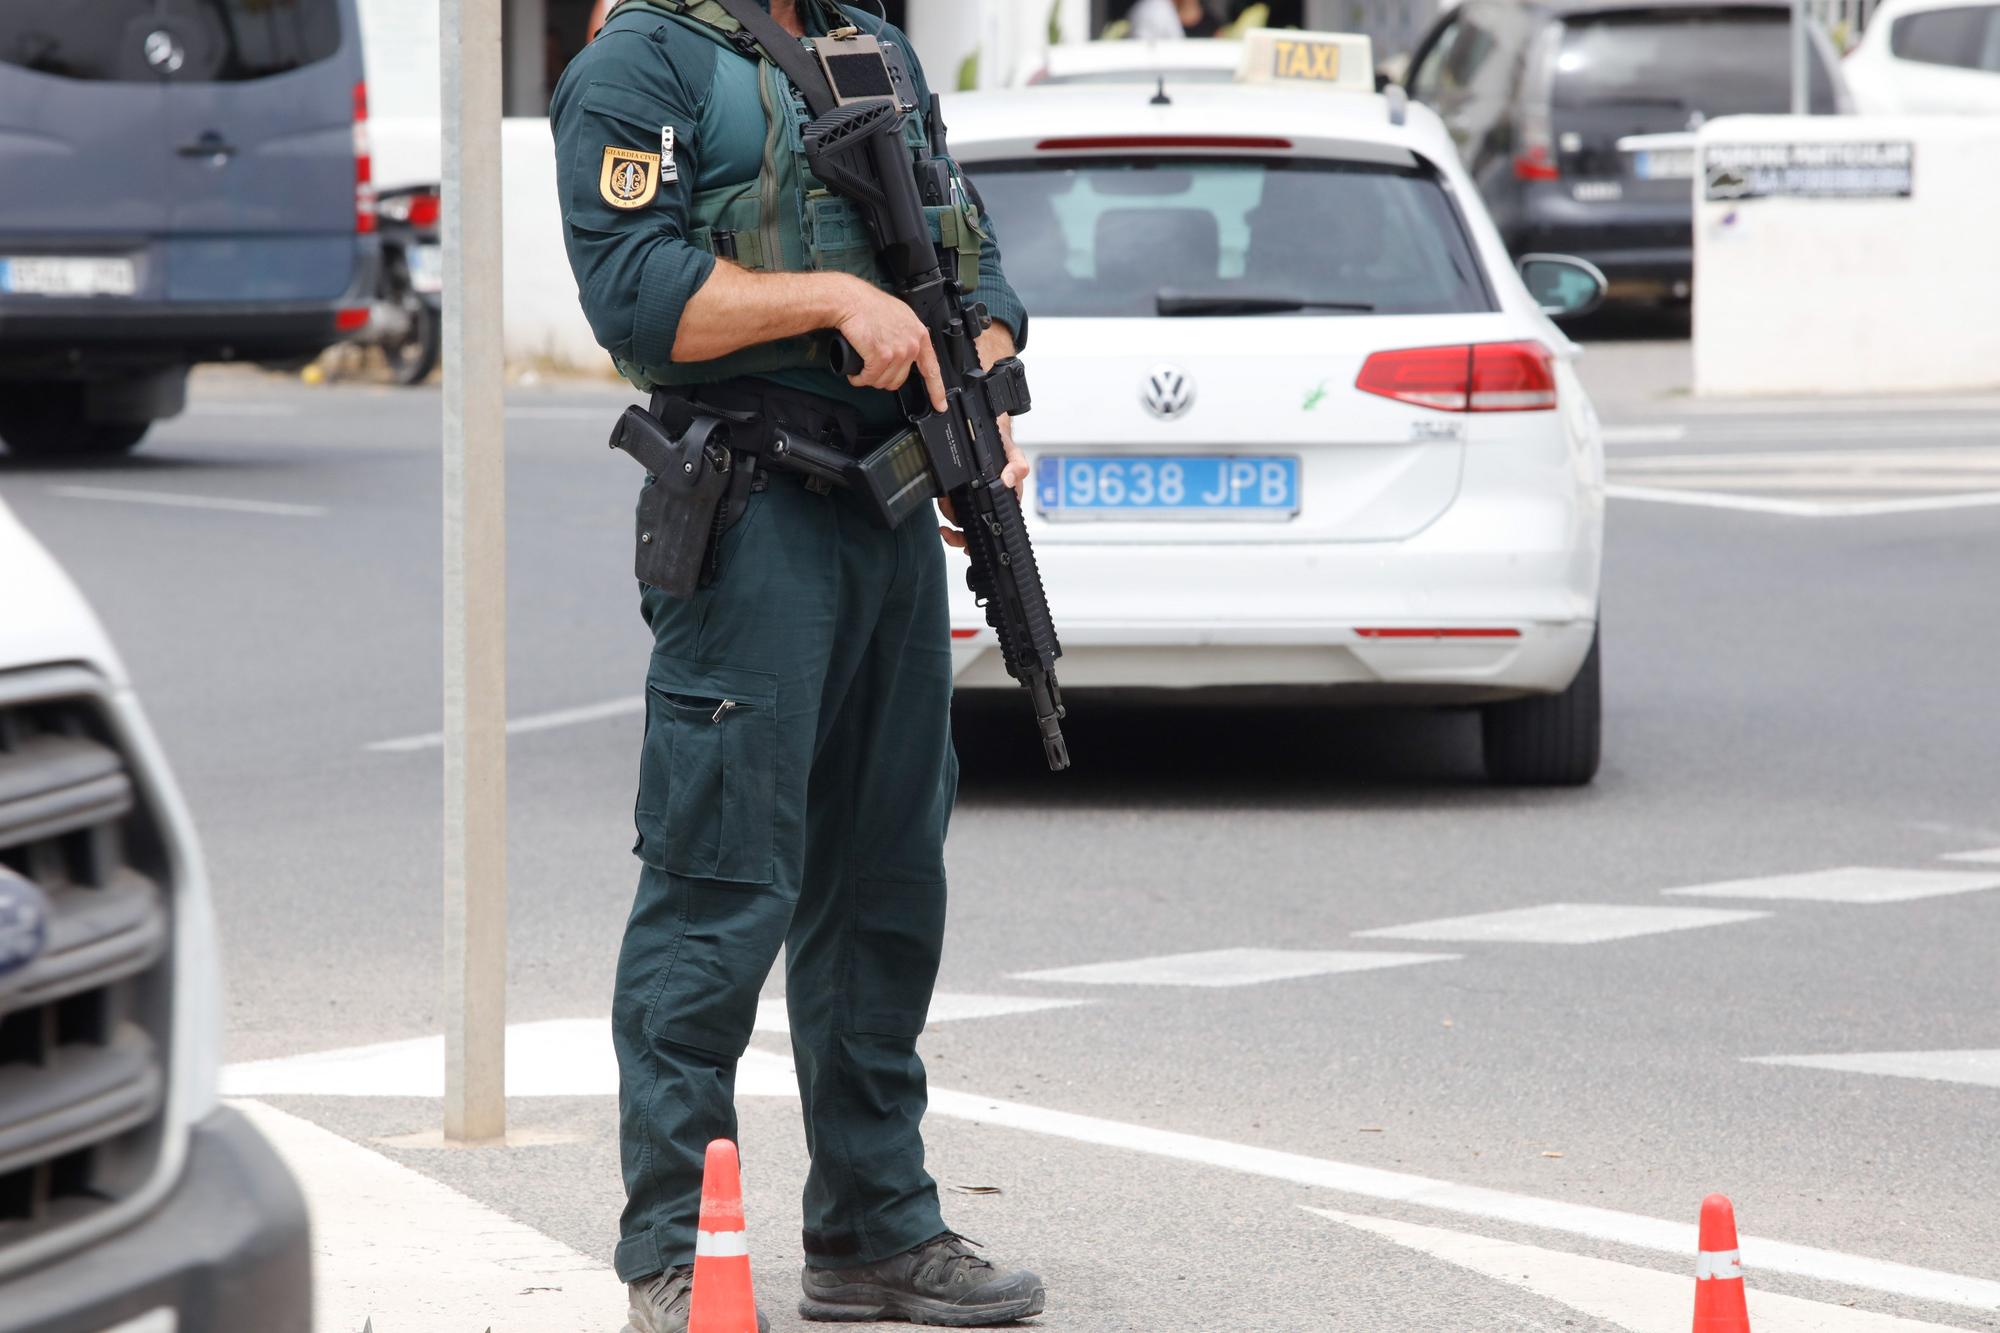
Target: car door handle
<point x="210" y="144"/>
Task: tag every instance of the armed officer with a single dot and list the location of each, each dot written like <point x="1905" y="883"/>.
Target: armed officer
<point x="797" y="775"/>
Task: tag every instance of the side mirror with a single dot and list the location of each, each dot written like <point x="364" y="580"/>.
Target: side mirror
<point x="1563" y="286"/>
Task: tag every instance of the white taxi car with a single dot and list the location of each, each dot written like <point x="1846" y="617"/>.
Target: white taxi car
<point x="1299" y="423"/>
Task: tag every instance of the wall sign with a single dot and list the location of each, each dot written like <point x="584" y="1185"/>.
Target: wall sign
<point x="1808" y="170"/>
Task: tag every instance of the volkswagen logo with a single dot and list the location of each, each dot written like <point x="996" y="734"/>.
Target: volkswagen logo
<point x="1168" y="393"/>
<point x="24" y="923"/>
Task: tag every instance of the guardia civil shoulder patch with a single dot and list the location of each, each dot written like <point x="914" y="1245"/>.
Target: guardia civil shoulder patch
<point x="630" y="178"/>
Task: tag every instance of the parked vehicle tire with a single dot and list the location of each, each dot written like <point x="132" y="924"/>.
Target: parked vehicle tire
<point x="1550" y="740"/>
<point x="50" y="423"/>
<point x="413" y="358"/>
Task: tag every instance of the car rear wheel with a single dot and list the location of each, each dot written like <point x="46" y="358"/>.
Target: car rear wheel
<point x="51" y="423"/>
<point x="1551" y="740"/>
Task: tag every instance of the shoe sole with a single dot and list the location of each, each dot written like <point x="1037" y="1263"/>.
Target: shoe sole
<point x="860" y="1305"/>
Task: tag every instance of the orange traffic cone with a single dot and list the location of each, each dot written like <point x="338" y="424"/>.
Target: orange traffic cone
<point x="1718" y="1272"/>
<point x="723" y="1301"/>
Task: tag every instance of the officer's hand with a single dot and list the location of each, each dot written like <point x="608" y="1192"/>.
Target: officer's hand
<point x="1015" y="475"/>
<point x="890" y="339"/>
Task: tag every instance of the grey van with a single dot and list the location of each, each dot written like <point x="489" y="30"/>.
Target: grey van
<point x="180" y="181"/>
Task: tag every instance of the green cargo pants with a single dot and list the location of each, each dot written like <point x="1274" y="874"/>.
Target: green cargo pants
<point x="795" y="786"/>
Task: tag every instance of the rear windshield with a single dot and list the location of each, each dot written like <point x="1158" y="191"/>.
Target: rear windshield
<point x="1717" y="62"/>
<point x="180" y="41"/>
<point x="1106" y="238"/>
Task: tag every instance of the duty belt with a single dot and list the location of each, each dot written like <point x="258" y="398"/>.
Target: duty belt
<point x="709" y="448"/>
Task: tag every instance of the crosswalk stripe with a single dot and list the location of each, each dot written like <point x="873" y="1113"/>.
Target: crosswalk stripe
<point x="1562" y="923"/>
<point x="1229" y="967"/>
<point x="1849" y="884"/>
<point x="1978" y="1068"/>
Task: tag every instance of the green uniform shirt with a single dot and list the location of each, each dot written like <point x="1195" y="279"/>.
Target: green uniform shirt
<point x="635" y="268"/>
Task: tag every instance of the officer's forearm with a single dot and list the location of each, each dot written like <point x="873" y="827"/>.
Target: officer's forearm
<point x="737" y="308"/>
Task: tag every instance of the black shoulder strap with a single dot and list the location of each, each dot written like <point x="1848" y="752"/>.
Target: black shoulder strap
<point x="783" y="50"/>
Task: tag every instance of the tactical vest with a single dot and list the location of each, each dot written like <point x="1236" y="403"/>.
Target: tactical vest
<point x="786" y="220"/>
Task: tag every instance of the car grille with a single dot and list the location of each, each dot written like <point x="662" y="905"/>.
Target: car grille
<point x="84" y="1027"/>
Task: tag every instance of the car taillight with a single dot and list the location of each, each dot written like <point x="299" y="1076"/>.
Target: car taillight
<point x="1439" y="377"/>
<point x="364" y="165"/>
<point x="1482" y="377"/>
<point x="424" y="210"/>
<point x="1536" y="163"/>
<point x="1513" y="377"/>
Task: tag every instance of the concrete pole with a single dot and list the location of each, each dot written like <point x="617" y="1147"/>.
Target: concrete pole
<point x="1801" y="59"/>
<point x="475" y="581"/>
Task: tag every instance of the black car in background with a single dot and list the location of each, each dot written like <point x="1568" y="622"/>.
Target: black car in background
<point x="1577" y="120"/>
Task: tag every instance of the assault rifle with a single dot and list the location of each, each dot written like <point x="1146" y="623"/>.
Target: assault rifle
<point x="855" y="146"/>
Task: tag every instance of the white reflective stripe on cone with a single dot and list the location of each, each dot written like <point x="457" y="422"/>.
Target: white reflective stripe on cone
<point x="723" y="1244"/>
<point x="1724" y="1264"/>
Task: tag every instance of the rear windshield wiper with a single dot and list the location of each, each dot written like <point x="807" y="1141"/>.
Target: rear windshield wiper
<point x="1190" y="303"/>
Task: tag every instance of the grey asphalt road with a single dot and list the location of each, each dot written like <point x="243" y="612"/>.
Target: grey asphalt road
<point x="1786" y="693"/>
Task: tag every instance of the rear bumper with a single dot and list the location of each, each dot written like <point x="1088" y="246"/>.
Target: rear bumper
<point x="1283" y="617"/>
<point x="74" y="336"/>
<point x="1631" y="243"/>
<point x="227" y="1249"/>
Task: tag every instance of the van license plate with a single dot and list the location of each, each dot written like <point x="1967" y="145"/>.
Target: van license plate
<point x="427" y="269"/>
<point x="1664" y="164"/>
<point x="1175" y="487"/>
<point x="49" y="275"/>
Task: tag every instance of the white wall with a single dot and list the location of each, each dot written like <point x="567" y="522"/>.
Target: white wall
<point x="1798" y="296"/>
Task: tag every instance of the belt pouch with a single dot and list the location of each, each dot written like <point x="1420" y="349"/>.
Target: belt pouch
<point x="895" y="480"/>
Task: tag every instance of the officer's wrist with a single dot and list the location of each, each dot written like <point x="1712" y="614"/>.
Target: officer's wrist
<point x="833" y="299"/>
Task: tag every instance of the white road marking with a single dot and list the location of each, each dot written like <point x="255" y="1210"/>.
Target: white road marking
<point x="562" y="1058"/>
<point x="946" y="1007"/>
<point x="1990" y="856"/>
<point x="1647" y="1233"/>
<point x="570" y="1057"/>
<point x="1802" y="508"/>
<point x="1229" y="967"/>
<point x="394" y="1245"/>
<point x="1663" y="433"/>
<point x="176" y="500"/>
<point x="1642" y="1300"/>
<point x="1951" y="459"/>
<point x="1849" y="884"/>
<point x="573" y="1058"/>
<point x="1979" y="1068"/>
<point x="563" y="717"/>
<point x="1562" y="923"/>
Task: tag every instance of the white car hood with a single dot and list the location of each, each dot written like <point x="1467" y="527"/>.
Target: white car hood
<point x="43" y="618"/>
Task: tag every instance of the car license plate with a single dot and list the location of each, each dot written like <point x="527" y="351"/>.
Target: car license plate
<point x="1211" y="486"/>
<point x="427" y="269"/>
<point x="1664" y="164"/>
<point x="50" y="275"/>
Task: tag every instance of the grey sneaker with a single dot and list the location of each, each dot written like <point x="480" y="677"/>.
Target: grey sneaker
<point x="940" y="1282"/>
<point x="660" y="1303"/>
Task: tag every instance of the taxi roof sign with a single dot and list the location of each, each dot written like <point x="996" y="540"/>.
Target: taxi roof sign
<point x="1332" y="60"/>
